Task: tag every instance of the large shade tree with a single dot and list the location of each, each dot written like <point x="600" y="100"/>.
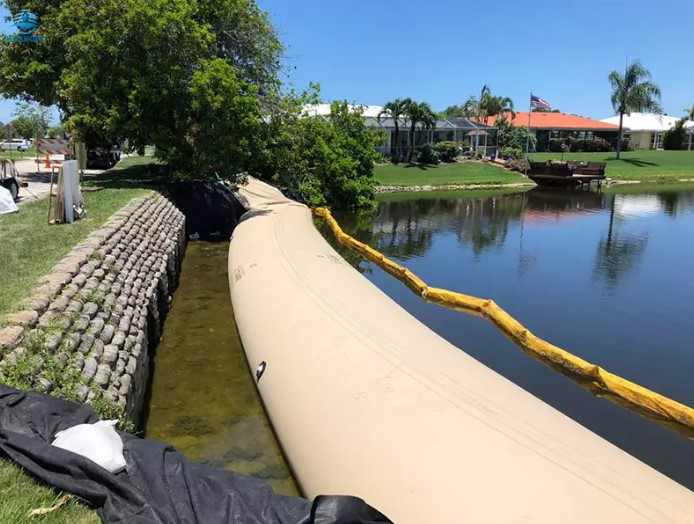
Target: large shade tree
<point x="395" y="110"/>
<point x="633" y="91"/>
<point x="419" y="114"/>
<point x="148" y="71"/>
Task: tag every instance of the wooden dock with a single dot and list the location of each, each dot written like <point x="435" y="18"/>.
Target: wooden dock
<point x="566" y="174"/>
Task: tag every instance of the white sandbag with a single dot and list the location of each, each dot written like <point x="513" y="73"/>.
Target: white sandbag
<point x="7" y="204"/>
<point x="98" y="442"/>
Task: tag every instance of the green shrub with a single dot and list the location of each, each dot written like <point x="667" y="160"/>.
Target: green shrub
<point x="674" y="138"/>
<point x="320" y="161"/>
<point x="448" y="151"/>
<point x="511" y="152"/>
<point x="427" y="155"/>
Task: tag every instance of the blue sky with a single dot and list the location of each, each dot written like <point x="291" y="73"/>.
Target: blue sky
<point x="441" y="51"/>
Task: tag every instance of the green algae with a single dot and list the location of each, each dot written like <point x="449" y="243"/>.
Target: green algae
<point x="203" y="399"/>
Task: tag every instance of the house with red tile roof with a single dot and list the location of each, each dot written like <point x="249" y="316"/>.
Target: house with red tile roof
<point x="552" y="129"/>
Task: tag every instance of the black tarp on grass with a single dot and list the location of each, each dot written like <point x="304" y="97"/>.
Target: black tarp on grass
<point x="159" y="485"/>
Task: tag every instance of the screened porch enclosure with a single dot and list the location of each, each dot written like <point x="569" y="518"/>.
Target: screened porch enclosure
<point x="470" y="135"/>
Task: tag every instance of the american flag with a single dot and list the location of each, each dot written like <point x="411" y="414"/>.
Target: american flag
<point x="539" y="103"/>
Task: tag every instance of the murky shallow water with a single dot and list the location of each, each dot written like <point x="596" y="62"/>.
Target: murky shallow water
<point x="607" y="276"/>
<point x="203" y="399"/>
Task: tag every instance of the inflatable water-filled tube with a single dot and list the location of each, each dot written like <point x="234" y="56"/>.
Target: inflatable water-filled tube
<point x="368" y="401"/>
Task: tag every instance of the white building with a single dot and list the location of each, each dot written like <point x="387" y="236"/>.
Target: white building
<point x="324" y="110"/>
<point x="645" y="130"/>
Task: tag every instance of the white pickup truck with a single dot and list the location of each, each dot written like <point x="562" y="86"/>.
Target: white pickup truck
<point x="15" y="144"/>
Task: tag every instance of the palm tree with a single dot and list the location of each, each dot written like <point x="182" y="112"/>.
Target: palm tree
<point x="395" y="109"/>
<point x="488" y="105"/>
<point x="418" y="113"/>
<point x="499" y="106"/>
<point x="689" y="115"/>
<point x="633" y="91"/>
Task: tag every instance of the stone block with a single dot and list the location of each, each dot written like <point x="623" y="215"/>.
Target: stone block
<point x="89" y="369"/>
<point x="96" y="325"/>
<point x="118" y="339"/>
<point x="82" y="323"/>
<point x="125" y="382"/>
<point x="98" y="347"/>
<point x="71" y="342"/>
<point x="103" y="374"/>
<point x="10" y="337"/>
<point x="75" y="306"/>
<point x="28" y="318"/>
<point x="107" y="333"/>
<point x="131" y="366"/>
<point x="86" y="344"/>
<point x="90" y="308"/>
<point x="110" y="354"/>
<point x="53" y="341"/>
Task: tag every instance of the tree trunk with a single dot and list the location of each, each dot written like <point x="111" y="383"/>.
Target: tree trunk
<point x="411" y="151"/>
<point x="395" y="155"/>
<point x="621" y="132"/>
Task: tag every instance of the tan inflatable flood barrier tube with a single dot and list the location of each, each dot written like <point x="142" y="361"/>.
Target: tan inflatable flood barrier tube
<point x="366" y="400"/>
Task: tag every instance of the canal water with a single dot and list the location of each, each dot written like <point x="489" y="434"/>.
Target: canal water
<point x="608" y="276"/>
<point x="203" y="400"/>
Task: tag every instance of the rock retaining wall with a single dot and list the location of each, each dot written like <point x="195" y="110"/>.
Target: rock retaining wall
<point x="101" y="308"/>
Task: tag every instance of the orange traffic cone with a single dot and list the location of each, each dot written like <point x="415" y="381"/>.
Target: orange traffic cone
<point x="47" y="162"/>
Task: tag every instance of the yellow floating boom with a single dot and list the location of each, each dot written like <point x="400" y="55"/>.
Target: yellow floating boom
<point x="652" y="402"/>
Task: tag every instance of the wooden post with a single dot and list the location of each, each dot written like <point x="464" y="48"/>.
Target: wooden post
<point x="50" y="197"/>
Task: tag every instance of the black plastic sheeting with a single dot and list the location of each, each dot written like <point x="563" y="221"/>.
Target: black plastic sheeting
<point x="211" y="209"/>
<point x="158" y="485"/>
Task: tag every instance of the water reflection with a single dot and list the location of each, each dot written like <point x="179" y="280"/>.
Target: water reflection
<point x="605" y="275"/>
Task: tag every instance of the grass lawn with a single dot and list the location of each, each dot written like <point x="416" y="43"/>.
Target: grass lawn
<point x="469" y="172"/>
<point x="653" y="166"/>
<point x="19" y="494"/>
<point x="18" y="155"/>
<point x="29" y="247"/>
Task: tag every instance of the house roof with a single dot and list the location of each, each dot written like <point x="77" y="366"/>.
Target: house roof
<point x="542" y="120"/>
<point x="324" y="110"/>
<point x="644" y="121"/>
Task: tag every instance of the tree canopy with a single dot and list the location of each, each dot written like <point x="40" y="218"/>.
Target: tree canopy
<point x="31" y="120"/>
<point x="633" y="91"/>
<point x="197" y="79"/>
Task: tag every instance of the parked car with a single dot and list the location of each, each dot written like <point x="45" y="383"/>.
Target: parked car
<point x="103" y="157"/>
<point x="15" y="144"/>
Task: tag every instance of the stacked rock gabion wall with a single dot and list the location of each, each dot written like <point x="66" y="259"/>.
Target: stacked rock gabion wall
<point x="101" y="308"/>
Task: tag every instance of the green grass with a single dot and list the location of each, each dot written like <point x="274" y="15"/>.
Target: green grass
<point x="18" y="155"/>
<point x="30" y="247"/>
<point x="19" y="494"/>
<point x="645" y="166"/>
<point x="468" y="173"/>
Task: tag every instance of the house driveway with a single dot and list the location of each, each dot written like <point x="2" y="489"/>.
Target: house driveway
<point x="38" y="177"/>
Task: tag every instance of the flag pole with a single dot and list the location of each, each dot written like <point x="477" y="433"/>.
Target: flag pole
<point x="527" y="138"/>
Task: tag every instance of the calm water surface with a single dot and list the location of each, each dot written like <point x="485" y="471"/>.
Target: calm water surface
<point x="203" y="400"/>
<point x="608" y="276"/>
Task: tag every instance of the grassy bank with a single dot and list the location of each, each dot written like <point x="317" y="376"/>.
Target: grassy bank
<point x="642" y="166"/>
<point x="30" y="247"/>
<point x="19" y="495"/>
<point x="463" y="173"/>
